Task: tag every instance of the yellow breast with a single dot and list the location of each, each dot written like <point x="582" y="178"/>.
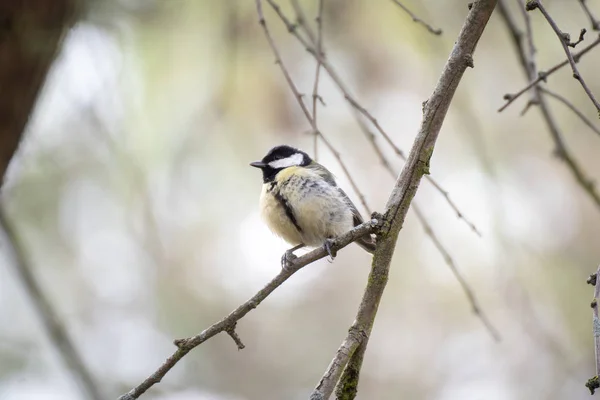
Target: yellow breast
<point x="276" y="218"/>
<point x="319" y="210"/>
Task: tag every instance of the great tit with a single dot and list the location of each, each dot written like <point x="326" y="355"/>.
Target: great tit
<point x="301" y="202"/>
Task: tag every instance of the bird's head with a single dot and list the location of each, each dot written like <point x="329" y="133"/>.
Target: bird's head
<point x="279" y="158"/>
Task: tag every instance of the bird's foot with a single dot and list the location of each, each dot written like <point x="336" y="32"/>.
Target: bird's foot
<point x="327" y="246"/>
<point x="287" y="258"/>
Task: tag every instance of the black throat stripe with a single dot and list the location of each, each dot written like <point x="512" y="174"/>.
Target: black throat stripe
<point x="286" y="206"/>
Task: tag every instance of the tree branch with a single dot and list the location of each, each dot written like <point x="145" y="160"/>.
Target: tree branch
<point x="594" y="382"/>
<point x="228" y="323"/>
<point x="431" y="29"/>
<point x="315" y="95"/>
<point x="593" y="21"/>
<point x="571" y="107"/>
<point x="543" y="75"/>
<point x="417" y="165"/>
<point x="564" y="41"/>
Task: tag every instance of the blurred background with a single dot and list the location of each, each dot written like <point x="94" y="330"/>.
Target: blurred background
<point x="135" y="205"/>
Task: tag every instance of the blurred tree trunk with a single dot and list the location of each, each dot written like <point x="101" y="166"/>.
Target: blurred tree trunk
<point x="31" y="32"/>
<point x="30" y="35"/>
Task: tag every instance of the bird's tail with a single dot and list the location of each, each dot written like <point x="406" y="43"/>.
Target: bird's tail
<point x="367" y="242"/>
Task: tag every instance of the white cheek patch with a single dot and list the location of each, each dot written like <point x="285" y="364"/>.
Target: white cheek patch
<point x="290" y="161"/>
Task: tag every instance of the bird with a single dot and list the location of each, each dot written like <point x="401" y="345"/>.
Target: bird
<point x="301" y="202"/>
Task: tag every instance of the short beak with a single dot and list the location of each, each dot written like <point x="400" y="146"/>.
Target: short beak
<point x="258" y="164"/>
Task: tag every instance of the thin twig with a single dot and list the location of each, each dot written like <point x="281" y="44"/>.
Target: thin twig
<point x="477" y="310"/>
<point x="593" y="21"/>
<point x="435" y="31"/>
<point x="543" y="75"/>
<point x="564" y="41"/>
<point x="475" y="306"/>
<point x="581" y="38"/>
<point x="572" y="107"/>
<point x="594" y="382"/>
<point x="453" y="205"/>
<point x="531" y="61"/>
<point x="306" y="112"/>
<point x="235" y="337"/>
<point x="406" y="186"/>
<point x="228" y="323"/>
<point x="51" y="322"/>
<point x="561" y="149"/>
<point x="309" y="46"/>
<point x="315" y="94"/>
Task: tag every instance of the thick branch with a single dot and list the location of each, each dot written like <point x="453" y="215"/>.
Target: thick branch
<point x="30" y="35"/>
<point x="406" y="186"/>
<point x="594" y="383"/>
<point x="228" y="323"/>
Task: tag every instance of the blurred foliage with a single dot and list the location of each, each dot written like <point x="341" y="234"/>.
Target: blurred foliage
<point x="133" y="195"/>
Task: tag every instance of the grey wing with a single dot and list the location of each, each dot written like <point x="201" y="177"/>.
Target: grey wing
<point x="356" y="217"/>
<point x="330" y="178"/>
<point x="324" y="172"/>
<point x="367" y="242"/>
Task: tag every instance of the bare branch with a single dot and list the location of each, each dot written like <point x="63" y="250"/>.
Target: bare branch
<point x="315" y="95"/>
<point x="543" y="75"/>
<point x="572" y="107"/>
<point x="561" y="149"/>
<point x="417" y="19"/>
<point x="579" y="40"/>
<point x="594" y="382"/>
<point x="51" y="322"/>
<point x="565" y="43"/>
<point x="233" y="334"/>
<point x="407" y="184"/>
<point x="355" y="337"/>
<point x="347" y="387"/>
<point x="593" y="21"/>
<point x="532" y="69"/>
<point x="475" y="306"/>
<point x="228" y="323"/>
